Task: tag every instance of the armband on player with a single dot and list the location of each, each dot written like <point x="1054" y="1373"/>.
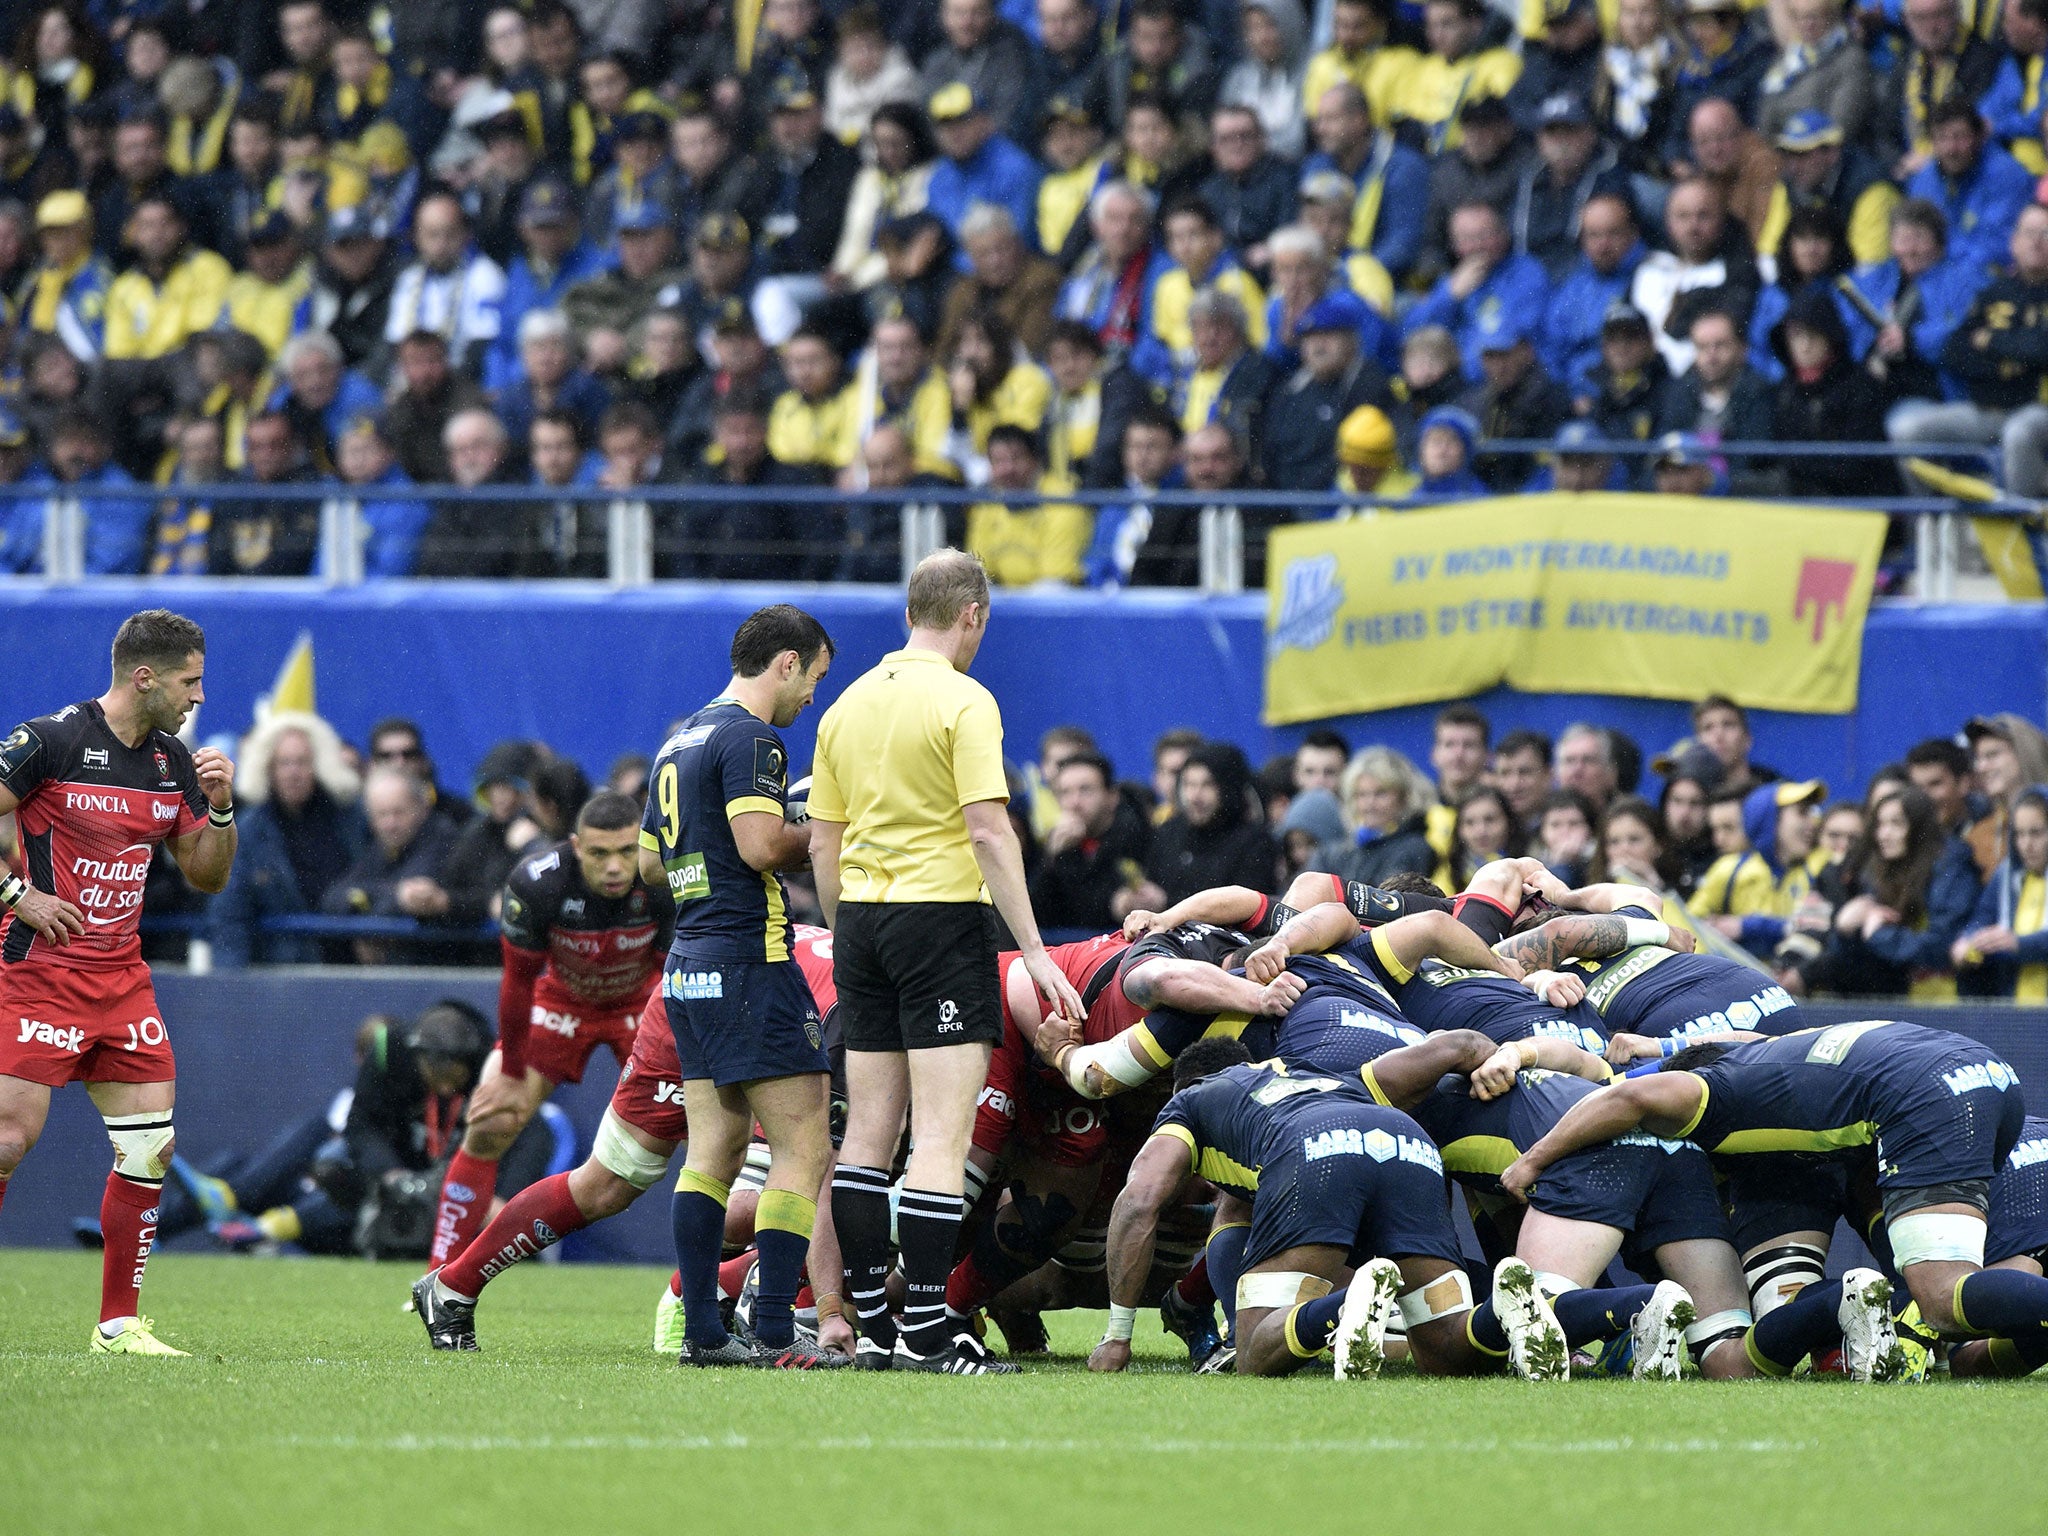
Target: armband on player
<point x="218" y="816"/>
<point x="12" y="889"/>
<point x="1121" y="1321"/>
<point x="1638" y="931"/>
<point x="1105" y="1070"/>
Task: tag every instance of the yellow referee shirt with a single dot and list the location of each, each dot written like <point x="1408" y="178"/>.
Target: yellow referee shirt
<point x="899" y="754"/>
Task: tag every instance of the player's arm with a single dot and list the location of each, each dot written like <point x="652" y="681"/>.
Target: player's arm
<point x="753" y="776"/>
<point x="827" y="837"/>
<point x="1664" y="1104"/>
<point x="1001" y="861"/>
<point x="1404" y="945"/>
<point x="523" y="965"/>
<point x="767" y="842"/>
<point x="1322" y="927"/>
<point x="206" y="855"/>
<point x="54" y="921"/>
<point x="1157" y="1172"/>
<point x="1608" y="897"/>
<point x="1404" y="1078"/>
<point x="1496" y="1075"/>
<point x="1590" y="936"/>
<point x="1227" y="906"/>
<point x="1195" y="986"/>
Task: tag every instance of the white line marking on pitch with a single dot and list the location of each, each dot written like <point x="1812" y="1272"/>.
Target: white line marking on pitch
<point x="1370" y="1445"/>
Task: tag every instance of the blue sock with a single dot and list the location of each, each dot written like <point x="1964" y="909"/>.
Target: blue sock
<point x="1810" y="1323"/>
<point x="1589" y="1314"/>
<point x="1483" y="1328"/>
<point x="1310" y="1325"/>
<point x="697" y="1215"/>
<point x="1226" y="1262"/>
<point x="782" y="1235"/>
<point x="2005" y="1302"/>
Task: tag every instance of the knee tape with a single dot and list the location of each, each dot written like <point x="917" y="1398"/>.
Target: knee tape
<point x="1445" y="1296"/>
<point x="1776" y="1275"/>
<point x="142" y="1145"/>
<point x="1277" y="1290"/>
<point x="1925" y="1237"/>
<point x="618" y="1153"/>
<point x="1555" y="1285"/>
<point x="1711" y="1330"/>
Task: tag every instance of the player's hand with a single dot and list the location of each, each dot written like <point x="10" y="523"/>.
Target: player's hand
<point x="1556" y="988"/>
<point x="1281" y="994"/>
<point x="1110" y="1355"/>
<point x="1053" y="1033"/>
<point x="1140" y="922"/>
<point x="1537" y="880"/>
<point x="1496" y="1075"/>
<point x="1682" y="939"/>
<point x="1266" y="962"/>
<point x="1520" y="1178"/>
<point x="50" y="917"/>
<point x="1054" y="987"/>
<point x="216" y="777"/>
<point x="1625" y="1049"/>
<point x="836" y="1333"/>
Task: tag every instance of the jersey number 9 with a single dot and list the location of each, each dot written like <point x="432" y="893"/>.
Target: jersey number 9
<point x="665" y="796"/>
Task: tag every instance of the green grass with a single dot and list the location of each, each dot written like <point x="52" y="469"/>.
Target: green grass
<point x="312" y="1405"/>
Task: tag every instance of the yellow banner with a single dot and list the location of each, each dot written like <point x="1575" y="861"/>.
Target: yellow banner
<point x="1663" y="597"/>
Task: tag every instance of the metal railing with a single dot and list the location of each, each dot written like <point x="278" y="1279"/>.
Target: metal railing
<point x="634" y="538"/>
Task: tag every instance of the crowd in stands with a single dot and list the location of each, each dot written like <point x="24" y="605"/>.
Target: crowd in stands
<point x="1326" y="247"/>
<point x="1934" y="882"/>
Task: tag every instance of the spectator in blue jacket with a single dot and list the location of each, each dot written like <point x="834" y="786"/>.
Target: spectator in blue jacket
<point x="1903" y="310"/>
<point x="390" y="520"/>
<point x="1610" y="249"/>
<point x="1392" y="180"/>
<point x="2013" y="104"/>
<point x="320" y="394"/>
<point x="116" y="528"/>
<point x="1976" y="184"/>
<point x="977" y="165"/>
<point x="555" y="259"/>
<point x="1110" y="291"/>
<point x="549" y="377"/>
<point x="2004" y="951"/>
<point x="1488" y="281"/>
<point x="300" y="830"/>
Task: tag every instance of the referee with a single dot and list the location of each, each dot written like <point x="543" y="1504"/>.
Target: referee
<point x="910" y="840"/>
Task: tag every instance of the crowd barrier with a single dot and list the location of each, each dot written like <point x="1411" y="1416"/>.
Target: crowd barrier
<point x="596" y="671"/>
<point x="262" y="1049"/>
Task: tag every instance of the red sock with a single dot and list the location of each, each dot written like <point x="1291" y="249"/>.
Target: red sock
<point x="536" y="1218"/>
<point x="465" y="1202"/>
<point x="128" y="1219"/>
<point x="732" y="1274"/>
<point x="965" y="1288"/>
<point x="805" y="1297"/>
<point x="675" y="1284"/>
<point x="1194" y="1287"/>
<point x="3" y="1190"/>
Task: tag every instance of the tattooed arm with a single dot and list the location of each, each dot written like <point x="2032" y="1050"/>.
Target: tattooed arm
<point x="1585" y="935"/>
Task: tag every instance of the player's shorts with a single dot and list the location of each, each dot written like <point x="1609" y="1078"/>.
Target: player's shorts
<point x="72" y="1023"/>
<point x="565" y="1032"/>
<point x="1768" y="1194"/>
<point x="1957" y="1129"/>
<point x="1358" y="1177"/>
<point x="916" y="974"/>
<point x="1655" y="1192"/>
<point x="743" y="1021"/>
<point x="1326" y="1031"/>
<point x="649" y="1095"/>
<point x="2019" y="1207"/>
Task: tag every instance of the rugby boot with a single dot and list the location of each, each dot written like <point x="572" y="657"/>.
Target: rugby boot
<point x="738" y="1349"/>
<point x="1193" y="1326"/>
<point x="668" y="1323"/>
<point x="1023" y="1332"/>
<point x="136" y="1336"/>
<point x="1536" y="1344"/>
<point x="1222" y="1363"/>
<point x="1360" y="1342"/>
<point x="1657" y="1336"/>
<point x="1870" y="1344"/>
<point x="963" y="1357"/>
<point x="450" y="1324"/>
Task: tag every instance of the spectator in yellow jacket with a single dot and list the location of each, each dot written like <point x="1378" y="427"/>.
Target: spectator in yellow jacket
<point x="1025" y="545"/>
<point x="173" y="292"/>
<point x="1768" y="841"/>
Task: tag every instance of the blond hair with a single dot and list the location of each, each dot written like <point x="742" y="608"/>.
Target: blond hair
<point x="1390" y="770"/>
<point x="944" y="583"/>
<point x="330" y="763"/>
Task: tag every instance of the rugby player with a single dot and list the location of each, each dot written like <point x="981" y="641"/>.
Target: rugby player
<point x="94" y="788"/>
<point x="1943" y="1109"/>
<point x="1337" y="1182"/>
<point x="642" y="1127"/>
<point x="2017" y="1240"/>
<point x="748" y="1035"/>
<point x="582" y="935"/>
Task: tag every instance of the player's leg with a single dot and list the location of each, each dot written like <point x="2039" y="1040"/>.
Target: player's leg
<point x="945" y="1081"/>
<point x="1225" y="1255"/>
<point x="1287" y="1309"/>
<point x="1563" y="1258"/>
<point x="1939" y="1250"/>
<point x="24" y="1106"/>
<point x="795" y="1115"/>
<point x="878" y="1097"/>
<point x="2020" y="1356"/>
<point x="1713" y="1278"/>
<point x="1040" y="1208"/>
<point x="138" y="1119"/>
<point x="498" y="1111"/>
<point x="719" y="1127"/>
<point x="1436" y="1305"/>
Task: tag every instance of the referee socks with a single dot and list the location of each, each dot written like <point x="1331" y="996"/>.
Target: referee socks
<point x="860" y="1216"/>
<point x="927" y="1228"/>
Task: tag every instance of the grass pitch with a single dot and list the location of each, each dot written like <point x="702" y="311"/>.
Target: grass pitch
<point x="313" y="1405"/>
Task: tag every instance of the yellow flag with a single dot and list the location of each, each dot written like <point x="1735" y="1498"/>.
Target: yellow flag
<point x="293" y="689"/>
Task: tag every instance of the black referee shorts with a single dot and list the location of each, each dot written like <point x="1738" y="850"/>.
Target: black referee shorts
<point x="916" y="974"/>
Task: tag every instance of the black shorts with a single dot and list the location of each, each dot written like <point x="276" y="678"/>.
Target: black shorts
<point x="1360" y="1177"/>
<point x="917" y="974"/>
<point x="741" y="1021"/>
<point x="1655" y="1192"/>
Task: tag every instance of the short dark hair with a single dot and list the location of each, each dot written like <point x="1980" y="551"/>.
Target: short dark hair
<point x="609" y="811"/>
<point x="1191" y="203"/>
<point x="1078" y="333"/>
<point x="1693" y="1057"/>
<point x="1208" y="1056"/>
<point x="78" y="423"/>
<point x="1927" y="215"/>
<point x="392" y="725"/>
<point x="1522" y="739"/>
<point x="1466" y="714"/>
<point x="1071" y="735"/>
<point x="561" y="782"/>
<point x="766" y="633"/>
<point x="1956" y="108"/>
<point x="1940" y="750"/>
<point x="1157" y="417"/>
<point x="1719" y="701"/>
<point x="1323" y="738"/>
<point x="1016" y="437"/>
<point x="1184" y="738"/>
<point x="1734" y="796"/>
<point x="568" y="419"/>
<point x="1090" y="758"/>
<point x="628" y="415"/>
<point x="156" y="637"/>
<point x="1406" y="882"/>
